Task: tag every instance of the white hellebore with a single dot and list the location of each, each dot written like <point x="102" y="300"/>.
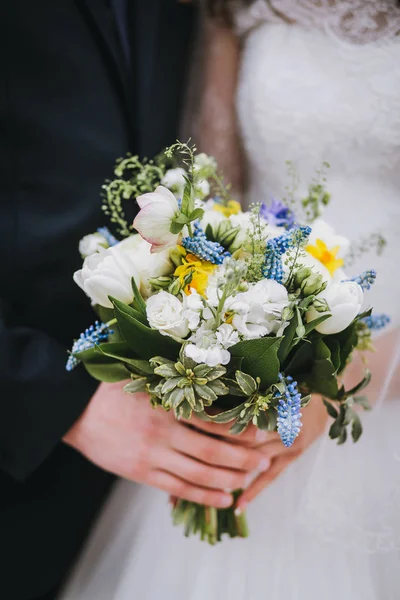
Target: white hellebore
<point x="344" y="300"/>
<point x="258" y="312"/>
<point x="166" y="314"/>
<point x="153" y="222"/>
<point x="92" y="243"/>
<point x="109" y="273"/>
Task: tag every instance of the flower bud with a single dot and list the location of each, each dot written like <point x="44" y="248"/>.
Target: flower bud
<point x="175" y="287"/>
<point x="160" y="283"/>
<point x="300" y="275"/>
<point x="313" y="285"/>
<point x="176" y="257"/>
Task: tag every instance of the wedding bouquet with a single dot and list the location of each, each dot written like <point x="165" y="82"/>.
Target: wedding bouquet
<point x="237" y="316"/>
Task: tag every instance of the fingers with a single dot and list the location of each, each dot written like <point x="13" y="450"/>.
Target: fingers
<point x="278" y="465"/>
<point x="252" y="435"/>
<point x="216" y="451"/>
<point x="201" y="474"/>
<point x="187" y="491"/>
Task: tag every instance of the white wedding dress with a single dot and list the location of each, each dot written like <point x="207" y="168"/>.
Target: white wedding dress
<point x="320" y="80"/>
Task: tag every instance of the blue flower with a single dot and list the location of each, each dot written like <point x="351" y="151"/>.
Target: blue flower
<point x="366" y="279"/>
<point x="94" y="335"/>
<point x="289" y="423"/>
<point x="376" y="322"/>
<point x="200" y="246"/>
<point x="275" y="248"/>
<point x="106" y="233"/>
<point x="277" y="214"/>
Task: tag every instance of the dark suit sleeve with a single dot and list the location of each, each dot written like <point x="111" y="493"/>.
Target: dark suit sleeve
<point x="39" y="399"/>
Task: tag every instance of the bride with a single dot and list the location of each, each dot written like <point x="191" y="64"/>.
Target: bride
<point x="313" y="80"/>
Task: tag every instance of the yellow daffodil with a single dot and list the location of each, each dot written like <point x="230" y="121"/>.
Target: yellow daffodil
<point x="232" y="207"/>
<point x="200" y="270"/>
<point x="327" y="256"/>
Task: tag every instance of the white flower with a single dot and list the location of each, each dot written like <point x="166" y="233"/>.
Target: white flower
<point x="92" y="243"/>
<point x="321" y="230"/>
<point x="153" y="222"/>
<point x="165" y="313"/>
<point x="258" y="312"/>
<point x="202" y="188"/>
<point x="227" y="336"/>
<point x="174" y="179"/>
<point x="109" y="273"/>
<point x="344" y="300"/>
<point x="203" y="161"/>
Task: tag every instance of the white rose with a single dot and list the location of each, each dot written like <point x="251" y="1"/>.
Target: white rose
<point x="344" y="300"/>
<point x="153" y="222"/>
<point x="92" y="243"/>
<point x="166" y="314"/>
<point x="174" y="179"/>
<point x="109" y="273"/>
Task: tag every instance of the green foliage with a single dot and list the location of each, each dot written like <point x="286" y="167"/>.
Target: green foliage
<point x="144" y="341"/>
<point x="260" y="359"/>
<point x="102" y="367"/>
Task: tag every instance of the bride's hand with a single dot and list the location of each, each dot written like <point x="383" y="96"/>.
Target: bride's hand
<point x="314" y="423"/>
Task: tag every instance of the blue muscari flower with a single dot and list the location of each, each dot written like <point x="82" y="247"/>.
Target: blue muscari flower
<point x="277" y="214"/>
<point x="203" y="248"/>
<point x="105" y="232"/>
<point x="289" y="414"/>
<point x="275" y="248"/>
<point x="95" y="334"/>
<point x="376" y="322"/>
<point x="366" y="279"/>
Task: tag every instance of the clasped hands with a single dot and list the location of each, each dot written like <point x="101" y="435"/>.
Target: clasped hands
<point x="124" y="435"/>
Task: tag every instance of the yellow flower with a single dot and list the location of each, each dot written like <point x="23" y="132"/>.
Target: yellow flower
<point x="232" y="207"/>
<point x="200" y="270"/>
<point x="325" y="255"/>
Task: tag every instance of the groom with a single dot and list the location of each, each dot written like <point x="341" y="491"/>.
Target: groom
<point x="82" y="83"/>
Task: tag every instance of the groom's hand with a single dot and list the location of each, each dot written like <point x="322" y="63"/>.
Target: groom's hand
<point x="124" y="435"/>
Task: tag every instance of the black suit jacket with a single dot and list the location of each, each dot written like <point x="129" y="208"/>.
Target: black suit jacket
<point x="69" y="107"/>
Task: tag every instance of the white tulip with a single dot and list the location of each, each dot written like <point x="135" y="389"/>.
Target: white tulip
<point x="148" y="264"/>
<point x="153" y="222"/>
<point x="166" y="314"/>
<point x="92" y="243"/>
<point x="109" y="273"/>
<point x="344" y="300"/>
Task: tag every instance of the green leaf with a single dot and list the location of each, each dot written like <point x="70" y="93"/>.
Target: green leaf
<point x="205" y="392"/>
<point x="141" y="304"/>
<point x="238" y="428"/>
<point x="262" y="421"/>
<point x="342" y="437"/>
<point x="197" y="213"/>
<point x="260" y="358"/>
<point x="246" y="382"/>
<point x="309" y="327"/>
<point x="187" y="206"/>
<point x="123" y="352"/>
<point x="182" y="219"/>
<point x="108" y="372"/>
<point x="218" y="387"/>
<point x="305" y="401"/>
<point x="361" y="385"/>
<point x="144" y="341"/>
<point x="272" y="419"/>
<point x="334" y="348"/>
<point x="233" y="387"/>
<point x="178" y="396"/>
<point x="166" y="371"/>
<point x="332" y="412"/>
<point x="356" y="428"/>
<point x="322" y="378"/>
<point x="287" y="340"/>
<point x="347" y="340"/>
<point x="301" y="359"/>
<point x="336" y="429"/>
<point x="228" y="415"/>
<point x="170" y="384"/>
<point x="104" y="314"/>
<point x="136" y="385"/>
<point x="189" y="395"/>
<point x="175" y="227"/>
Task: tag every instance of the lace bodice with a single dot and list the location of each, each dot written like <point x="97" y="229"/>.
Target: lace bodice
<point x="357" y="21"/>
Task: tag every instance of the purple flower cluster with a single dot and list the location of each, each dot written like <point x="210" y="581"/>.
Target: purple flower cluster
<point x="277" y="214"/>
